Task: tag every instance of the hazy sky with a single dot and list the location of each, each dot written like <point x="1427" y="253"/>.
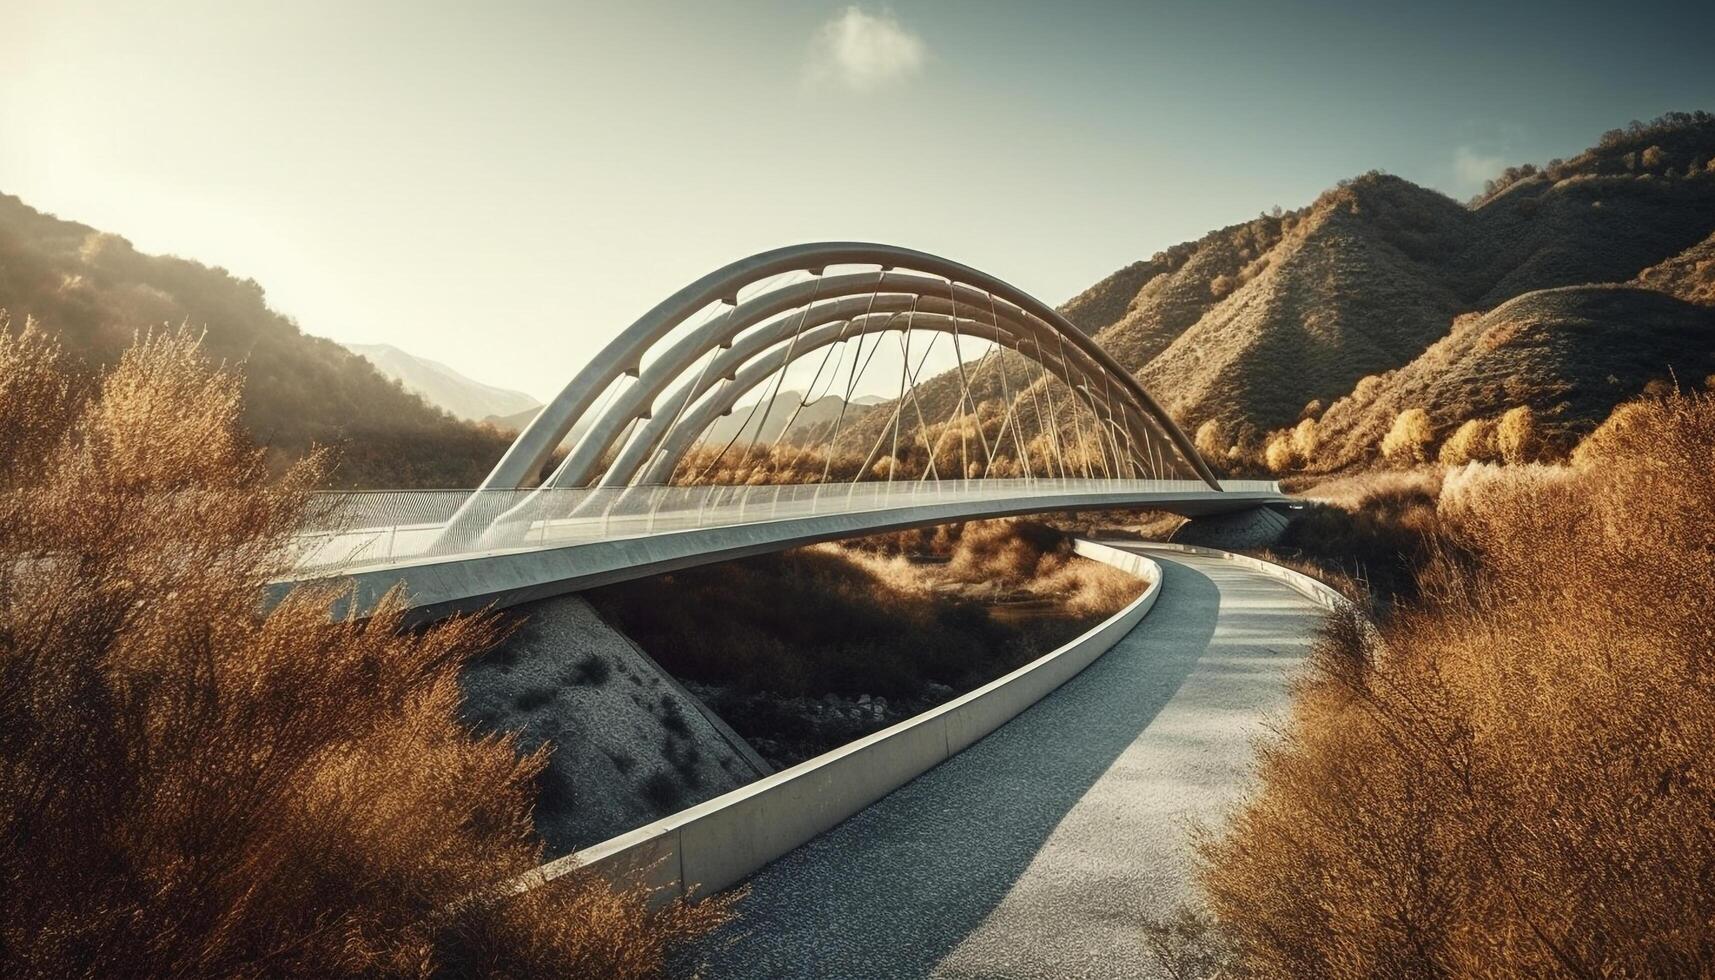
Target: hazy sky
<point x="503" y="186"/>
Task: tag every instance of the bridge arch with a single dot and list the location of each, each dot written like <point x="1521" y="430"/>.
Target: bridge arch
<point x="631" y="439"/>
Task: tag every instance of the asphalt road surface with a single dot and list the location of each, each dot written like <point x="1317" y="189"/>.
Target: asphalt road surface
<point x="1038" y="851"/>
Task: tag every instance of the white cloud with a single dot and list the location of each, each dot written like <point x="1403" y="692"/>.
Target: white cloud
<point x="1472" y="169"/>
<point x="865" y="51"/>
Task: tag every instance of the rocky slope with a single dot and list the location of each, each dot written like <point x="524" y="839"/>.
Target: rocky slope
<point x="629" y="744"/>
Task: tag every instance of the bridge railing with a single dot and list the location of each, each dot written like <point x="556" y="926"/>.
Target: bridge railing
<point x="365" y="528"/>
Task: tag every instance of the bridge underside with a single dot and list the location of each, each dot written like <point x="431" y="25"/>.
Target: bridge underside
<point x="632" y="547"/>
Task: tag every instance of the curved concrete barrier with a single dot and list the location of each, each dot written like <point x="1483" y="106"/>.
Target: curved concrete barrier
<point x="1313" y="589"/>
<point x="717" y="843"/>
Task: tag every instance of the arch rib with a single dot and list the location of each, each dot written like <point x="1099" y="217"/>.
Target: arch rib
<point x="526" y="456"/>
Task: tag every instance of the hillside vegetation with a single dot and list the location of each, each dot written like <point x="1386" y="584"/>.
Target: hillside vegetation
<point x="192" y="788"/>
<point x="95" y="294"/>
<point x="1514" y="777"/>
<point x="808" y="649"/>
<point x="1568" y="354"/>
<point x="1392" y="298"/>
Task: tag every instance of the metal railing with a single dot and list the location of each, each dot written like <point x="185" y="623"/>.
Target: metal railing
<point x="355" y="529"/>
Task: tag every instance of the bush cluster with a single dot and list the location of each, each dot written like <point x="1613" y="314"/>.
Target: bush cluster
<point x="1518" y="778"/>
<point x="190" y="787"/>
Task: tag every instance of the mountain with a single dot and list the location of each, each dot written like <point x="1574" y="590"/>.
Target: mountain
<point x="815" y="416"/>
<point x="515" y="422"/>
<point x="443" y="387"/>
<point x="1383" y="295"/>
<point x="95" y="292"/>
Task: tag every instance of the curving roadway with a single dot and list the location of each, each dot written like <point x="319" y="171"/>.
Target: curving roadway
<point x="1039" y="850"/>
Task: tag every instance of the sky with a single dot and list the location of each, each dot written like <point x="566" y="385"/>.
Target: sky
<point x="505" y="186"/>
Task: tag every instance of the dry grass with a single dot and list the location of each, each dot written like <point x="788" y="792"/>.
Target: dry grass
<point x="1521" y="784"/>
<point x="191" y="788"/>
<point x="993" y="559"/>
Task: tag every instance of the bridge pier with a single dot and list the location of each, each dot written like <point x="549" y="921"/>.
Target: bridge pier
<point x="1239" y="530"/>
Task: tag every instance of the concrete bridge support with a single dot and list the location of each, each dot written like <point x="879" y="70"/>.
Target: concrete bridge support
<point x="1240" y="530"/>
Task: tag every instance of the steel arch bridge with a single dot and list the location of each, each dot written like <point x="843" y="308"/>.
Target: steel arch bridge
<point x="765" y="324"/>
<point x="1041" y="416"/>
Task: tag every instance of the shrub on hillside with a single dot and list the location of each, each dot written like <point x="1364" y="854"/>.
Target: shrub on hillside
<point x="1366" y="535"/>
<point x="1407" y="442"/>
<point x="1515" y="780"/>
<point x="1472" y="442"/>
<point x="1281" y="453"/>
<point x="189" y="787"/>
<point x="1627" y="426"/>
<point x="1516" y="438"/>
<point x="1305" y="441"/>
<point x="1212" y="440"/>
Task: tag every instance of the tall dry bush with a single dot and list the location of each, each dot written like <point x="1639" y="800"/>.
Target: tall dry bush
<point x="1472" y="442"/>
<point x="1520" y="780"/>
<point x="1407" y="442"/>
<point x="1281" y="453"/>
<point x="1516" y="438"/>
<point x="189" y="787"/>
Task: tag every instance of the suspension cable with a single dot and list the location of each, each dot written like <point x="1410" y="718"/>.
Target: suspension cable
<point x="780" y="378"/>
<point x="1006" y="393"/>
<point x="851" y="382"/>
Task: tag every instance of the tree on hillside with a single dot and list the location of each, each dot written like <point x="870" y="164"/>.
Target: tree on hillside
<point x="1305" y="441"/>
<point x="1280" y="454"/>
<point x="1212" y="440"/>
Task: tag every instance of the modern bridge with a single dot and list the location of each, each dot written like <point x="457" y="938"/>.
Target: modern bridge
<point x="1029" y="415"/>
<point x="1027" y="828"/>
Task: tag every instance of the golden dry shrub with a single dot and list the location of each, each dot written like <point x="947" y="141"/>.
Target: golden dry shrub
<point x="1472" y="442"/>
<point x="1628" y="425"/>
<point x="1407" y="442"/>
<point x="1516" y="436"/>
<point x="1281" y="454"/>
<point x="192" y="787"/>
<point x="1212" y="440"/>
<point x="1518" y="779"/>
<point x="1305" y="441"/>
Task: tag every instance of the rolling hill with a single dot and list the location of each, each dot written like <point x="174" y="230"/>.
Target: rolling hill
<point x="1570" y="353"/>
<point x="95" y="292"/>
<point x="1417" y="300"/>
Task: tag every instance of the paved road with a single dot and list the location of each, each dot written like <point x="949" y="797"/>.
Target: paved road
<point x="1036" y="852"/>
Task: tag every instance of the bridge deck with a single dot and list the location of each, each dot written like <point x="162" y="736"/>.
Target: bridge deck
<point x="1039" y="851"/>
<point x="455" y="552"/>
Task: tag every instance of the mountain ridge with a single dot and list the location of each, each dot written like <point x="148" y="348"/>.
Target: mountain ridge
<point x="443" y="386"/>
<point x="94" y="292"/>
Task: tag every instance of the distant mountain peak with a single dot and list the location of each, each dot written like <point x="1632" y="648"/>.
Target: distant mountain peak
<point x="444" y="387"/>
